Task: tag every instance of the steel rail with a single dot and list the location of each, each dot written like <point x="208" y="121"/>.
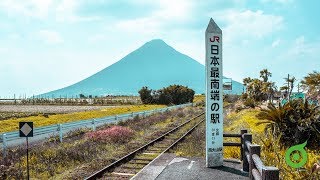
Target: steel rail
<point x="128" y="157"/>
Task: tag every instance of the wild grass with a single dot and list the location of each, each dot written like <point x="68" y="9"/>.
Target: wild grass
<point x="40" y="120"/>
<point x="272" y="154"/>
<point x="14" y="115"/>
<point x="193" y="145"/>
<point x="273" y="151"/>
<point x="199" y="98"/>
<point x="78" y="158"/>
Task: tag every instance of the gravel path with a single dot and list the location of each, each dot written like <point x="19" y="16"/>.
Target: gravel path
<point x="48" y="109"/>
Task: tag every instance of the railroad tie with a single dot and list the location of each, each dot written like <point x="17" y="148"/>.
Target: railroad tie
<point x="148" y="154"/>
<point x="140" y="163"/>
<point x="122" y="174"/>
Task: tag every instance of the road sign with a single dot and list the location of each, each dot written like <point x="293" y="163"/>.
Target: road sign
<point x="227" y="84"/>
<point x="26" y="129"/>
<point x="214" y="96"/>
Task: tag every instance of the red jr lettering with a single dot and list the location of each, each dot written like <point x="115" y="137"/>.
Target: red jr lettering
<point x="215" y="38"/>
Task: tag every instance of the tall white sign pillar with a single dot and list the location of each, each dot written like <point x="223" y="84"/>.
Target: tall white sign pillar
<point x="214" y="98"/>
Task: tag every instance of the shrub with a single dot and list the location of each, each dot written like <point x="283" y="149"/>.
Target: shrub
<point x="173" y="94"/>
<point x="202" y="103"/>
<point x="244" y="96"/>
<point x="231" y="98"/>
<point x="249" y="102"/>
<point x="239" y="108"/>
<point x="114" y="134"/>
<point x="145" y="95"/>
<point x="121" y="123"/>
<point x="180" y="114"/>
<point x="295" y="122"/>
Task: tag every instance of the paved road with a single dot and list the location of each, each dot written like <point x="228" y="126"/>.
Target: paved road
<point x="170" y="167"/>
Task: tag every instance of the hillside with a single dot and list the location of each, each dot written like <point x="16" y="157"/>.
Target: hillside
<point x="155" y="64"/>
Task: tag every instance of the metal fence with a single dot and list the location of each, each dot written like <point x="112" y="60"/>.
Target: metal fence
<point x="61" y="129"/>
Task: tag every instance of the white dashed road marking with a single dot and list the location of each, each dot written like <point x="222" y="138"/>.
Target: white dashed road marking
<point x="191" y="164"/>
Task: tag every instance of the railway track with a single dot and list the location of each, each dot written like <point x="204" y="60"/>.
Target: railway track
<point x="129" y="165"/>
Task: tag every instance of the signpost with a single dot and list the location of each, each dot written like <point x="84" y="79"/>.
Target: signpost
<point x="227" y="85"/>
<point x="26" y="130"/>
<point x="214" y="96"/>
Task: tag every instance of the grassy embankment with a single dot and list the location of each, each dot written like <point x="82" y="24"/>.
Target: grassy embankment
<point x="40" y="120"/>
<point x="272" y="153"/>
<point x="78" y="157"/>
<point x="198" y="98"/>
<point x="12" y="115"/>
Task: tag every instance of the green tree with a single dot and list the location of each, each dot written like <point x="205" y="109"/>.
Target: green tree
<point x="265" y="74"/>
<point x="311" y="84"/>
<point x="173" y="94"/>
<point x="82" y="96"/>
<point x="260" y="90"/>
<point x="247" y="81"/>
<point x="269" y="89"/>
<point x="254" y="90"/>
<point x="145" y="95"/>
<point x="176" y="94"/>
<point x="290" y="84"/>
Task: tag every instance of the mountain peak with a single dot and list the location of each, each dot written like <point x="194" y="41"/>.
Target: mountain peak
<point x="156" y="43"/>
<point x="160" y="41"/>
<point x="155" y="64"/>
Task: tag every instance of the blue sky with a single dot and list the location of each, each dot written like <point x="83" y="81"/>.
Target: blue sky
<point x="49" y="44"/>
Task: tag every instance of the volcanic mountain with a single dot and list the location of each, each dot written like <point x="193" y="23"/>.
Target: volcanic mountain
<point x="155" y="65"/>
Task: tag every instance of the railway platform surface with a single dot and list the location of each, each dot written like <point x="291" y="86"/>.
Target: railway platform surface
<point x="170" y="167"/>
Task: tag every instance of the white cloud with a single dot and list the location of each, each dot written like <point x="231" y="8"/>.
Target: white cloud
<point x="14" y="36"/>
<point x="167" y="12"/>
<point x="301" y="48"/>
<point x="300" y="57"/>
<point x="65" y="12"/>
<point x="61" y="10"/>
<point x="50" y="37"/>
<point x="275" y="43"/>
<point x="177" y="22"/>
<point x="148" y="25"/>
<point x="168" y="9"/>
<point x="299" y="40"/>
<point x="245" y="24"/>
<point x="178" y="9"/>
<point x="29" y="8"/>
<point x="3" y="49"/>
<point x="277" y="1"/>
<point x="97" y="37"/>
<point x="66" y="5"/>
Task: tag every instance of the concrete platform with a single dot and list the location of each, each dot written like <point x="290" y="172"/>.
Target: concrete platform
<point x="168" y="166"/>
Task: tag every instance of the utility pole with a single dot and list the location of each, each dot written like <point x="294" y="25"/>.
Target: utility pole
<point x="288" y="89"/>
